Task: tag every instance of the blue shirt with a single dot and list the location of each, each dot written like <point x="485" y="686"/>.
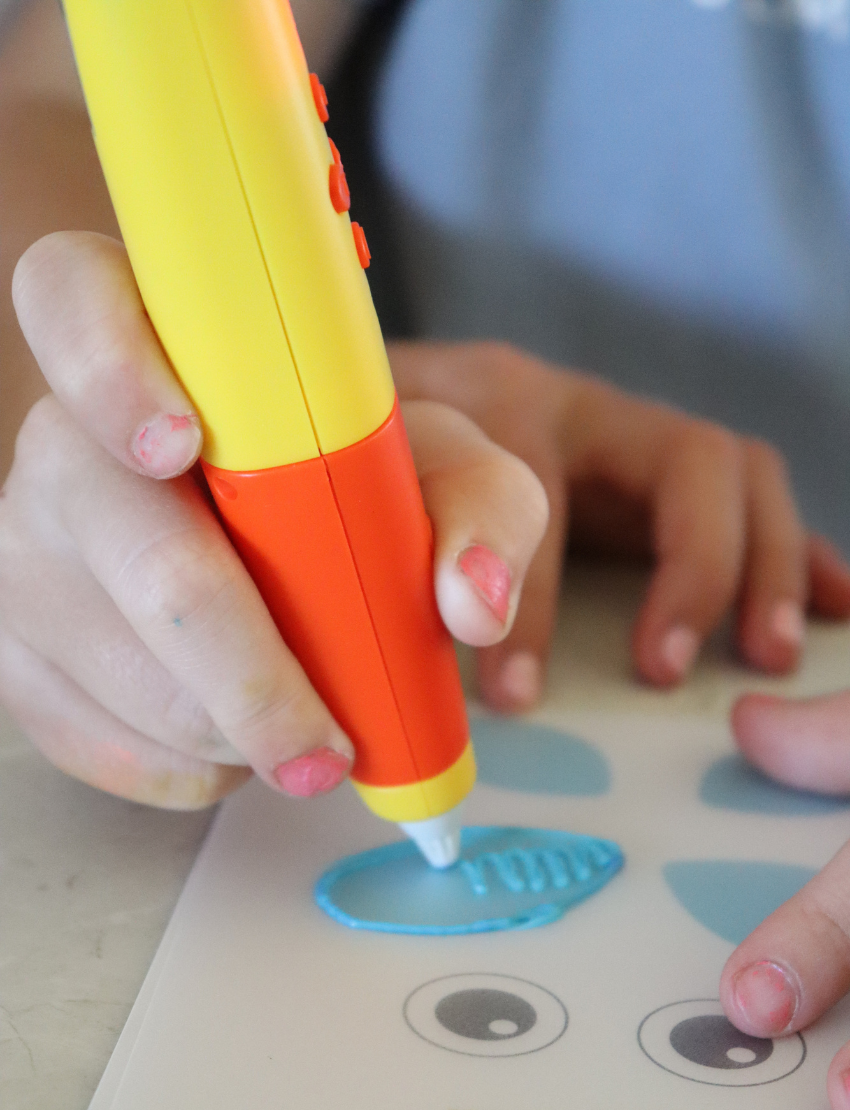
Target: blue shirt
<point x="689" y="156"/>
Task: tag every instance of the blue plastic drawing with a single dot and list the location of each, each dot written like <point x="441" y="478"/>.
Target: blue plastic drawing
<point x="506" y="878"/>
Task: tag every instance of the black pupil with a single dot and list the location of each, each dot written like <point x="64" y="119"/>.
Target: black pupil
<point x="485" y="1015"/>
<point x="714" y="1042"/>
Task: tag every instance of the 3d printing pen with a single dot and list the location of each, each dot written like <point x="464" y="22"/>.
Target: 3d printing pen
<point x="234" y="209"/>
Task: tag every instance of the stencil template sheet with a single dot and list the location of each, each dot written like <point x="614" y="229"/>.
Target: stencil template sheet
<point x="257" y="999"/>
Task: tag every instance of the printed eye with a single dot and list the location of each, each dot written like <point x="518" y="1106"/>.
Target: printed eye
<point x="695" y="1040"/>
<point x="485" y="1015"/>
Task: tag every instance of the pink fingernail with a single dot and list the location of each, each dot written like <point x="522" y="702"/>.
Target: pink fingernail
<point x="314" y="773"/>
<point x="490" y="577"/>
<point x="787" y="623"/>
<point x="520" y="678"/>
<point x="767" y="997"/>
<point x="167" y="444"/>
<point x="679" y="649"/>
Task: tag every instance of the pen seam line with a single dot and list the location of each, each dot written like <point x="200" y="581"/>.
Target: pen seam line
<point x="248" y="209"/>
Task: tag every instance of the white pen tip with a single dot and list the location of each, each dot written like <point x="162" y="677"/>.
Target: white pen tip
<point x="437" y="838"/>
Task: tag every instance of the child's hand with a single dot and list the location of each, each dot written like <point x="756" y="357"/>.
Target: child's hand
<point x="713" y="509"/>
<point x="717" y="513"/>
<point x="134" y="648"/>
<point x="796" y="964"/>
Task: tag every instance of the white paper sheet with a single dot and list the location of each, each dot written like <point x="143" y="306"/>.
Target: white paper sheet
<point x="256" y="999"/>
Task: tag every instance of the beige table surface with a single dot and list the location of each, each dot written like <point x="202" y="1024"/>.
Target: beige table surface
<point x="88" y="882"/>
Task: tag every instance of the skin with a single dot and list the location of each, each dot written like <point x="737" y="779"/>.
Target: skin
<point x="624" y="476"/>
<point x="126" y="614"/>
<point x="135" y="650"/>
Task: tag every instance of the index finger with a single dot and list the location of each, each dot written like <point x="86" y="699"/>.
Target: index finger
<point x="796" y="964"/>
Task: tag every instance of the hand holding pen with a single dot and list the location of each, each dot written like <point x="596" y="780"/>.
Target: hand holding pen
<point x="149" y="665"/>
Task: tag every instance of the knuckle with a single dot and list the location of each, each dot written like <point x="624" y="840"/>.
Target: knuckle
<point x="530" y="496"/>
<point x="180" y="783"/>
<point x="34" y="265"/>
<point x="80" y="341"/>
<point x="514" y="372"/>
<point x="201" y="790"/>
<point x="828" y="926"/>
<point x="11" y="685"/>
<point x="497" y="351"/>
<point x="48" y="275"/>
<point x="267" y="698"/>
<point x="188" y="726"/>
<point x="716" y="444"/>
<point x="51" y="451"/>
<point x="263" y="701"/>
<point x="107" y="350"/>
<point x="276" y="720"/>
<point x="180" y="580"/>
<point x="535" y="378"/>
<point x="766" y="460"/>
<point x="44" y="454"/>
<point x="42" y="428"/>
<point x="717" y="571"/>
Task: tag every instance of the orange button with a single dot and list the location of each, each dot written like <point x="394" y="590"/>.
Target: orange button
<point x="363" y="252"/>
<point x="338" y="186"/>
<point x="320" y="97"/>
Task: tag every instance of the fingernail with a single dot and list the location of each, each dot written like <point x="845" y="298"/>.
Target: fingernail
<point x="166" y="445"/>
<point x="314" y="773"/>
<point x="767" y="997"/>
<point x="679" y="649"/>
<point x="520" y="678"/>
<point x="490" y="577"/>
<point x="787" y="623"/>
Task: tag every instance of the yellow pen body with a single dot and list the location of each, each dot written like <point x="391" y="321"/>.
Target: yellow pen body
<point x="233" y="206"/>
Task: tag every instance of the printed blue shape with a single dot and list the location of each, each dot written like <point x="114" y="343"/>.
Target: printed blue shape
<point x="732" y="783"/>
<point x="731" y="897"/>
<point x="506" y="878"/>
<point x="533" y="759"/>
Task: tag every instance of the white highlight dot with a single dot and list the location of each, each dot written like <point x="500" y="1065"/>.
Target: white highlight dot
<point x="741" y="1055"/>
<point x="503" y="1028"/>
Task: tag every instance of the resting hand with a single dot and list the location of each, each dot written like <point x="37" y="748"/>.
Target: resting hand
<point x="715" y="512"/>
<point x="134" y="648"/>
<point x="712" y="509"/>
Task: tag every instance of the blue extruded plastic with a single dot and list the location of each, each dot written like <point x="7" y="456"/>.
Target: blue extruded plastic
<point x="506" y="878"/>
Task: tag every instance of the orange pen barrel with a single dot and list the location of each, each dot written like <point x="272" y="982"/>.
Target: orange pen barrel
<point x="341" y="550"/>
